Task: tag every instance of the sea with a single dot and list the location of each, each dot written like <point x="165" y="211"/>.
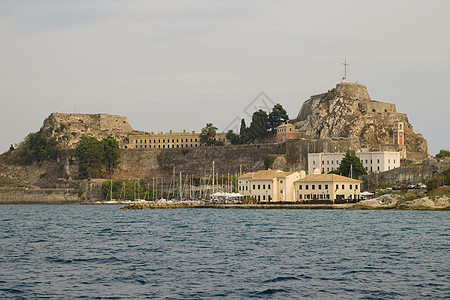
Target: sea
<point x="103" y="252"/>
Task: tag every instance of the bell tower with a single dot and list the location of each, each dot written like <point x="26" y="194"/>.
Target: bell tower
<point x="399" y="134"/>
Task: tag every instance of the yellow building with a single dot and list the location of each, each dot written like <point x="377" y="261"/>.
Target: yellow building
<point x="326" y="187"/>
<point x="269" y="185"/>
<point x="170" y="140"/>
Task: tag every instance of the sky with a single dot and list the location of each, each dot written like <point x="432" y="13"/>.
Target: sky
<point x="174" y="65"/>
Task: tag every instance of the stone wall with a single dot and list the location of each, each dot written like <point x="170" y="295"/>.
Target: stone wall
<point x="297" y="150"/>
<point x="378" y="107"/>
<point x="407" y="174"/>
<point x="38" y="196"/>
<point x="68" y="128"/>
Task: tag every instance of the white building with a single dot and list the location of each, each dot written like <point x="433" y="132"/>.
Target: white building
<point x="326" y="187"/>
<point x="269" y="185"/>
<point x="373" y="162"/>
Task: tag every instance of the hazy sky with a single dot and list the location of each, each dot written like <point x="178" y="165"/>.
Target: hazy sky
<point x="180" y="64"/>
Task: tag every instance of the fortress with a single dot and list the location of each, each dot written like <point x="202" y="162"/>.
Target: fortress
<point x="348" y="112"/>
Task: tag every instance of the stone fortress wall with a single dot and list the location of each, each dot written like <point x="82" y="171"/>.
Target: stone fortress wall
<point x="69" y="128"/>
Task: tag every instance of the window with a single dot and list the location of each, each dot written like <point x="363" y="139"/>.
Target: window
<point x="264" y="186"/>
<point x="328" y="162"/>
<point x="320" y="186"/>
<point x="281" y="191"/>
<point x="343" y="187"/>
<point x="351" y="186"/>
<point x="313" y="186"/>
<point x="307" y="197"/>
<point x="239" y="187"/>
<point x="337" y="186"/>
<point x="173" y="140"/>
<point x="378" y="160"/>
<point x="281" y="181"/>
<point x="300" y="197"/>
<point x="306" y="186"/>
<point x="378" y="168"/>
<point x="326" y="186"/>
<point x="300" y="187"/>
<point x="356" y="186"/>
<point x="389" y="161"/>
<point x="323" y="162"/>
<point x="253" y="186"/>
<point x="314" y="162"/>
<point x="259" y="186"/>
<point x="323" y="170"/>
<point x="246" y="188"/>
<point x="264" y="197"/>
<point x="259" y="197"/>
<point x="268" y="186"/>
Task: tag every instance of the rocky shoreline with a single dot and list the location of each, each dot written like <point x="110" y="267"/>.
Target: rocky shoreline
<point x="382" y="203"/>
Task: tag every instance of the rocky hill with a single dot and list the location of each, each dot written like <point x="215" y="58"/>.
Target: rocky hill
<point x="68" y="128"/>
<point x="347" y="111"/>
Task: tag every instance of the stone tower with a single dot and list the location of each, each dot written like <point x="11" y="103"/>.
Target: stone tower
<point x="399" y="134"/>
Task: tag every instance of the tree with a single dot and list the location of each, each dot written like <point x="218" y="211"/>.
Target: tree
<point x="443" y="154"/>
<point x="351" y="162"/>
<point x="243" y="128"/>
<point x="277" y="117"/>
<point x="112" y="154"/>
<point x="258" y="127"/>
<point x="233" y="137"/>
<point x="38" y="146"/>
<point x="208" y="135"/>
<point x="91" y="155"/>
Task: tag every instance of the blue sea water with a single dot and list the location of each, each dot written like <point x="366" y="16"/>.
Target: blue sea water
<point x="56" y="251"/>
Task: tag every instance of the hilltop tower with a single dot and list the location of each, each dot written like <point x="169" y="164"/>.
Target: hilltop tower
<point x="399" y="134"/>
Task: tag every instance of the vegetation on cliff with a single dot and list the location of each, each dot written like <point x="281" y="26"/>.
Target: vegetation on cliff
<point x="263" y="125"/>
<point x="93" y="155"/>
<point x="443" y="154"/>
<point x="37" y="146"/>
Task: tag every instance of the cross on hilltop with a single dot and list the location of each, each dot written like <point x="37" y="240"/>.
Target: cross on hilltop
<point x="345" y="68"/>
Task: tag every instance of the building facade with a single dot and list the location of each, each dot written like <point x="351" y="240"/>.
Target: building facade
<point x="326" y="187"/>
<point x="373" y="162"/>
<point x="286" y="132"/>
<point x="168" y="140"/>
<point x="269" y="185"/>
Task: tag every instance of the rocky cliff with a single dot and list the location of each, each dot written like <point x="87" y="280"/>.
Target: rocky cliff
<point x="347" y="111"/>
<point x="68" y="128"/>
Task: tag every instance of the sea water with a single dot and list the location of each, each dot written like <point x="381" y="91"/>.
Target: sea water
<point x="57" y="251"/>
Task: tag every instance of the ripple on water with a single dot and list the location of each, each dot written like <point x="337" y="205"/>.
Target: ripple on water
<point x="101" y="251"/>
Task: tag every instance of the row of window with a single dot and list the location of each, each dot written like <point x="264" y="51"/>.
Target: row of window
<point x="264" y="197"/>
<point x="328" y="162"/>
<point x="362" y="161"/>
<point x="164" y="146"/>
<point x="164" y="141"/>
<point x="263" y="186"/>
<point x="319" y="196"/>
<point x="319" y="186"/>
<point x="314" y="196"/>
